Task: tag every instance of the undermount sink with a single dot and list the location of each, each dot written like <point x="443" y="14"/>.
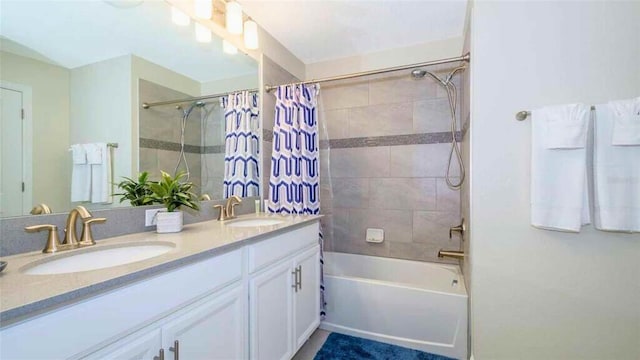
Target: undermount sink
<point x="255" y="222"/>
<point x="98" y="258"/>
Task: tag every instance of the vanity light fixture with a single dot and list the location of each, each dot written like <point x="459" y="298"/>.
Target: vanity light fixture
<point x="203" y="34"/>
<point x="251" y="34"/>
<point x="203" y="8"/>
<point x="233" y="17"/>
<point x="179" y="18"/>
<point x="227" y="48"/>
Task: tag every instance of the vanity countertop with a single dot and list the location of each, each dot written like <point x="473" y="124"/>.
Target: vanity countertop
<point x="23" y="296"/>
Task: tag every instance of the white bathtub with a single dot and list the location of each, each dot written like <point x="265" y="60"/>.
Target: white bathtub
<point x="418" y="305"/>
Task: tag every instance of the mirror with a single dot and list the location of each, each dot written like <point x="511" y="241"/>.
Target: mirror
<point x="78" y="72"/>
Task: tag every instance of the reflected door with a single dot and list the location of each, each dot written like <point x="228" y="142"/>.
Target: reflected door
<point x="11" y="171"/>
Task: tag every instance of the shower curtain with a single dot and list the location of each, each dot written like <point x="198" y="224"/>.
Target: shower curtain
<point x="241" y="144"/>
<point x="294" y="184"/>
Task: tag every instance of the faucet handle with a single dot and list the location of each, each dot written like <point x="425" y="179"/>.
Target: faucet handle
<point x="52" y="239"/>
<point x="86" y="238"/>
<point x="222" y="216"/>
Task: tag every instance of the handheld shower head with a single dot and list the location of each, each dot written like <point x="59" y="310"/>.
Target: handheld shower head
<point x="418" y="73"/>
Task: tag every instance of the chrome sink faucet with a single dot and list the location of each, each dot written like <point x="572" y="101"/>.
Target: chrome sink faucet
<point x="70" y="238"/>
<point x="227" y="211"/>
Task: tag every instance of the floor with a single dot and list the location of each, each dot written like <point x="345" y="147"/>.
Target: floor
<point x="309" y="350"/>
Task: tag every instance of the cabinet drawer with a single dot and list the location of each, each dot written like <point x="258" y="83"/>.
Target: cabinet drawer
<point x="269" y="251"/>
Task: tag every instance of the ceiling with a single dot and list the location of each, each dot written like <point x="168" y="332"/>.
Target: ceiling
<point x="77" y="33"/>
<point x="316" y="30"/>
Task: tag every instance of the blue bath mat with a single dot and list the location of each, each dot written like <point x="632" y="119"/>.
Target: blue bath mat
<point x="344" y="347"/>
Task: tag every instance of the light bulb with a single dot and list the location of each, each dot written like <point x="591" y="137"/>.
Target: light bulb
<point x="250" y="34"/>
<point x="203" y="34"/>
<point x="233" y="17"/>
<point x="179" y="18"/>
<point x="203" y="8"/>
<point x="227" y="48"/>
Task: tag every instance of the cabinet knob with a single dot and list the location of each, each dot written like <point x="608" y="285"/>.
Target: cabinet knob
<point x="176" y="350"/>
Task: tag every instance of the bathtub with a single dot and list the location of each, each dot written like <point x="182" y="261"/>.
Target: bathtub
<point x="418" y="305"/>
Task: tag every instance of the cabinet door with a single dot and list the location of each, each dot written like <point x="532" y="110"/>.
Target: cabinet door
<point x="271" y="304"/>
<point x="213" y="330"/>
<point x="307" y="298"/>
<point x="142" y="346"/>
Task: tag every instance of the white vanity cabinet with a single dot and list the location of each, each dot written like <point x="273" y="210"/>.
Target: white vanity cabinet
<point x="246" y="303"/>
<point x="284" y="294"/>
<point x="214" y="328"/>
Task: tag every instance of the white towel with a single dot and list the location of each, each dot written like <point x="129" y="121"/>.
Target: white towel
<point x="616" y="177"/>
<point x="626" y="122"/>
<point x="559" y="194"/>
<point x="564" y="126"/>
<point x="78" y="154"/>
<point x="94" y="153"/>
<point x="80" y="175"/>
<point x="101" y="177"/>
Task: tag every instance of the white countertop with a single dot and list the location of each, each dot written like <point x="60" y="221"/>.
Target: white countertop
<point x="23" y="295"/>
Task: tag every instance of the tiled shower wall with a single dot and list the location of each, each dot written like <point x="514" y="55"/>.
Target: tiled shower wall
<point x="204" y="138"/>
<point x="388" y="149"/>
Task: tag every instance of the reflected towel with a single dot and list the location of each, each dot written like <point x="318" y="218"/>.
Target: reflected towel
<point x="94" y="153"/>
<point x="616" y="177"/>
<point x="559" y="196"/>
<point x="78" y="154"/>
<point x="80" y="174"/>
<point x="101" y="177"/>
<point x="626" y="122"/>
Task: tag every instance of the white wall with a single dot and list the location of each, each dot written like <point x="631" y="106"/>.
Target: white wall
<point x="389" y="58"/>
<point x="541" y="294"/>
<point x="50" y="116"/>
<point x="101" y="111"/>
<point x="231" y="84"/>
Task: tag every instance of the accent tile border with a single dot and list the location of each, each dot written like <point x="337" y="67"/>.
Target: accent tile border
<point x="172" y="146"/>
<point x="390" y="140"/>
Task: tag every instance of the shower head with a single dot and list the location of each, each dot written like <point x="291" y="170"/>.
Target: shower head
<point x="418" y="73"/>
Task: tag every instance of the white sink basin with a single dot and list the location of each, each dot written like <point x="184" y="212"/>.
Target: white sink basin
<point x="255" y="222"/>
<point x="98" y="258"/>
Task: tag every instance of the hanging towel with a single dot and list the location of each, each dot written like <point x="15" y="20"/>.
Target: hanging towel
<point x="101" y="177"/>
<point x="94" y="153"/>
<point x="559" y="195"/>
<point x="616" y="176"/>
<point x="626" y="122"/>
<point x="80" y="174"/>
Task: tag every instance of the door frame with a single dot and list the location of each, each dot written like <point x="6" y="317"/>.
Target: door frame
<point x="27" y="141"/>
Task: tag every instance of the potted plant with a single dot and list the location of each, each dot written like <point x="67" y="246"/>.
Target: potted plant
<point x="137" y="192"/>
<point x="173" y="194"/>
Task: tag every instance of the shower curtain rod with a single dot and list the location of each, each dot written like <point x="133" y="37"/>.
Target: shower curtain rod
<point x="466" y="58"/>
<point x="146" y="105"/>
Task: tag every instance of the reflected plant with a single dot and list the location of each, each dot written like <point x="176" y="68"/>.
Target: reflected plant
<point x="137" y="192"/>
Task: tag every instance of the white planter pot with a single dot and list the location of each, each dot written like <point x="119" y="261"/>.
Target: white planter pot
<point x="168" y="222"/>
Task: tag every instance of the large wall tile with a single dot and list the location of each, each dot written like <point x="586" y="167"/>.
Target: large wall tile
<point x="432" y="115"/>
<point x="433" y="226"/>
<point x="381" y="120"/>
<point x="400" y="89"/>
<point x="335" y="123"/>
<point x="341" y="96"/>
<point x="362" y="247"/>
<point x="421" y="252"/>
<point x="395" y="224"/>
<point x="359" y="162"/>
<point x="350" y="192"/>
<point x="424" y="160"/>
<point x="403" y="193"/>
<point x="447" y="199"/>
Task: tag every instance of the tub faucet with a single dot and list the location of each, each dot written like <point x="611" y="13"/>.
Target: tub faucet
<point x="451" y="253"/>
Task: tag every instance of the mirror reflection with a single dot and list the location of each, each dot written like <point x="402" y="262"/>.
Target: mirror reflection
<point x="74" y="76"/>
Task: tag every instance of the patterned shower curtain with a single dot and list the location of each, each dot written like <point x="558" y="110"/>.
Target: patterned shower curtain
<point x="294" y="185"/>
<point x="241" y="144"/>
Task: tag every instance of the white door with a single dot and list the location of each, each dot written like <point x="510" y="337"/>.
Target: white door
<point x="307" y="298"/>
<point x="271" y="304"/>
<point x="11" y="188"/>
<point x="135" y="347"/>
<point x="214" y="330"/>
